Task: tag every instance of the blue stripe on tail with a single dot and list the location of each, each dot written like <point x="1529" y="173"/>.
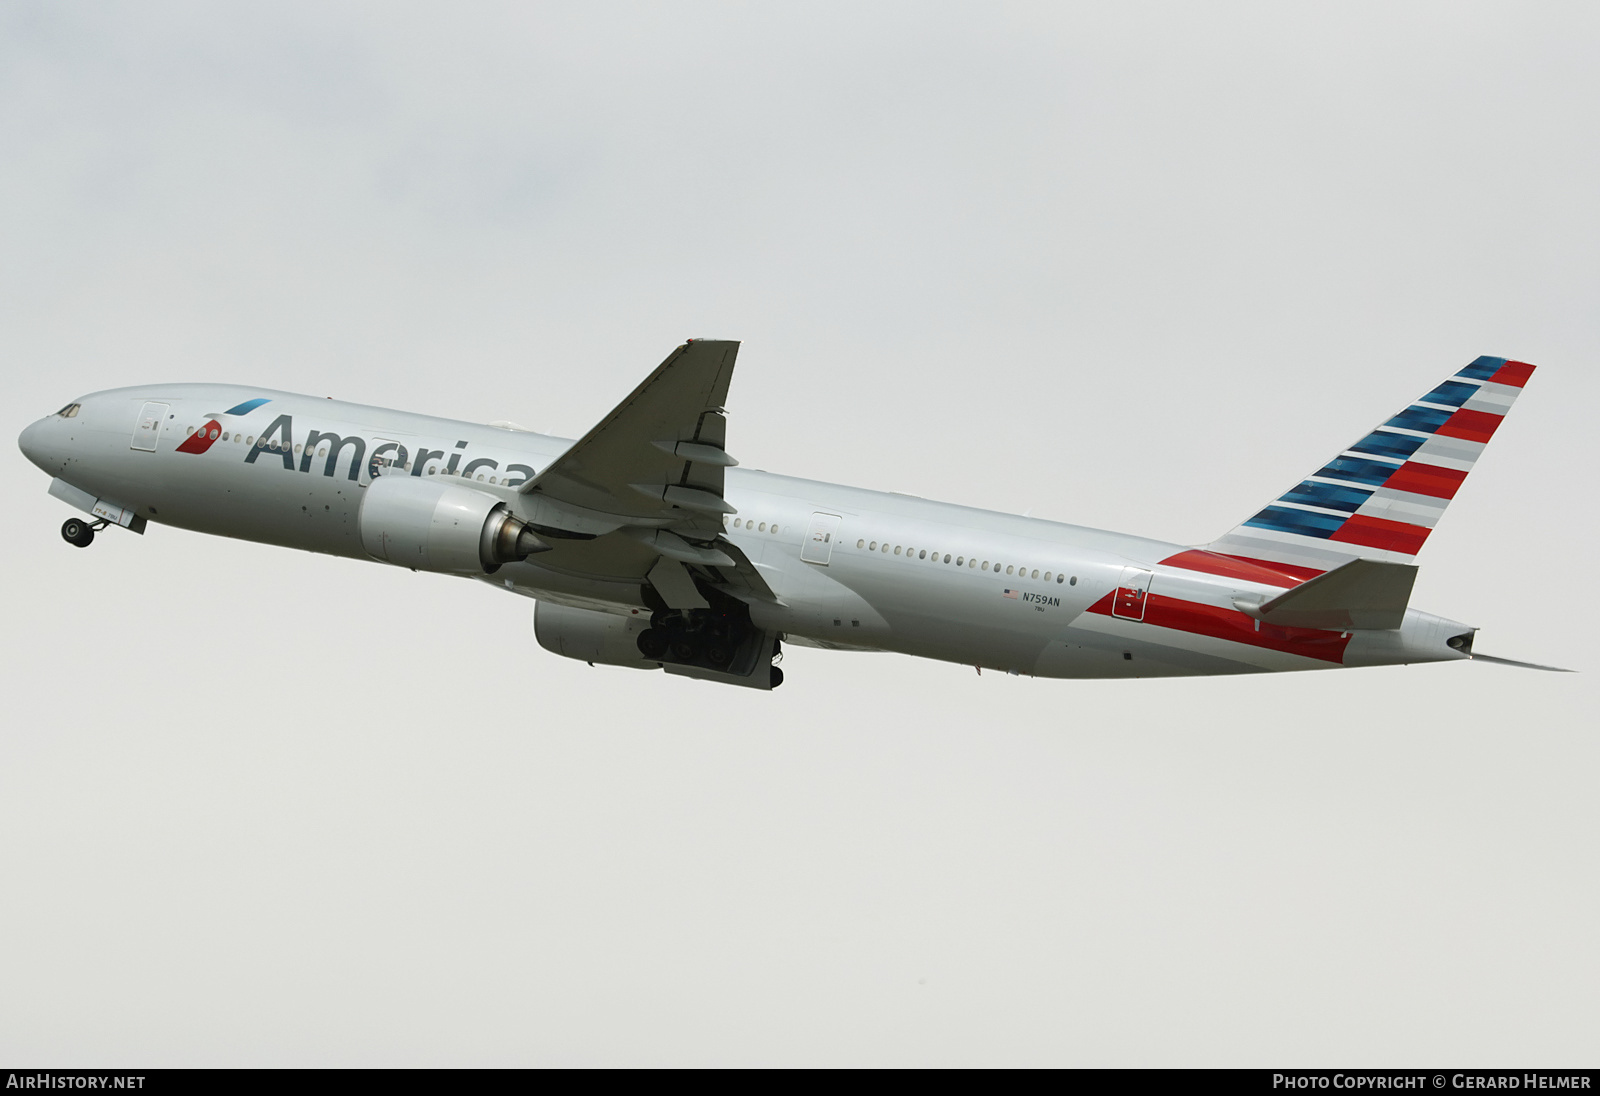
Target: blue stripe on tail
<point x="1305" y="522"/>
<point x="1373" y="473"/>
<point x="1329" y="496"/>
<point x="1482" y="369"/>
<point x="1451" y="394"/>
<point x="1381" y="443"/>
<point x="1423" y="419"/>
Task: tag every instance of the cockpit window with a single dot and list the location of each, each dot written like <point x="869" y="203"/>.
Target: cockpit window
<point x="70" y="411"/>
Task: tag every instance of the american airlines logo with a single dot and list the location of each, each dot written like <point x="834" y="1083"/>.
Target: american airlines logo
<point x="202" y="439"/>
<point x="277" y="441"/>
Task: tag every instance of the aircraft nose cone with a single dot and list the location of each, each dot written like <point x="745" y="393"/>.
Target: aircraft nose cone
<point x="32" y="442"/>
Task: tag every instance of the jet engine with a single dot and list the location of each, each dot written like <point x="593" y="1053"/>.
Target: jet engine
<point x="591" y="635"/>
<point x="435" y="525"/>
<point x="664" y="639"/>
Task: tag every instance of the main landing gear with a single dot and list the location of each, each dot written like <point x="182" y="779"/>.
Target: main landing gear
<point x="720" y="638"/>
<point x="80" y="533"/>
<point x="696" y="636"/>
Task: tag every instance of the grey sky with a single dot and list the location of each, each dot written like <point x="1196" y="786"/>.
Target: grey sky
<point x="1131" y="266"/>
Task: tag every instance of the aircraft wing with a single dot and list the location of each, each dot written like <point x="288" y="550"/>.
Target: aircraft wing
<point x="658" y="457"/>
<point x="649" y="480"/>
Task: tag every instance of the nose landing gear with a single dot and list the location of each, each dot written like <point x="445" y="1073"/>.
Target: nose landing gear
<point x="80" y="533"/>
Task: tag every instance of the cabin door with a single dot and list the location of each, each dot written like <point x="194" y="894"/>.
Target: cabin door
<point x="147" y="429"/>
<point x="818" y="545"/>
<point x="1132" y="594"/>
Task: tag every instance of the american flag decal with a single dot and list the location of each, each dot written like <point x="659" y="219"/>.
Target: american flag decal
<point x="1381" y="497"/>
<point x="1012" y="594"/>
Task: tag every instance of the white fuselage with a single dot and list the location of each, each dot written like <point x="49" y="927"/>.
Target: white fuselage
<point x="896" y="573"/>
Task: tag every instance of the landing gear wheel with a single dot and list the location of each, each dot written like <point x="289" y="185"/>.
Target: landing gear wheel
<point x="777" y="677"/>
<point x="718" y="653"/>
<point x="682" y="650"/>
<point x="78" y="533"/>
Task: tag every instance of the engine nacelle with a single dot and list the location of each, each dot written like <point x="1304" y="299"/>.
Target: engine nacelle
<point x="435" y="525"/>
<point x="591" y="635"/>
<point x="614" y="639"/>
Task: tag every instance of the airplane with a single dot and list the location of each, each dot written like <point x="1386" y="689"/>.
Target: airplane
<point x="644" y="545"/>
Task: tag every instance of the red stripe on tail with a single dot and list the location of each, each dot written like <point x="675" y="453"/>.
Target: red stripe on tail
<point x="1266" y="572"/>
<point x="1515" y="374"/>
<point x="1470" y="425"/>
<point x="1391" y="536"/>
<point x="1426" y="479"/>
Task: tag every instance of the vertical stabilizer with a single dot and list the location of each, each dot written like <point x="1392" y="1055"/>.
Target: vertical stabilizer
<point x="1380" y="498"/>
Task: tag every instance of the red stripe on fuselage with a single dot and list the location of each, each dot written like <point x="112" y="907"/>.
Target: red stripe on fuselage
<point x="1470" y="425"/>
<point x="1231" y="625"/>
<point x="1263" y="571"/>
<point x="1515" y="374"/>
<point x="1426" y="479"/>
<point x="1391" y="536"/>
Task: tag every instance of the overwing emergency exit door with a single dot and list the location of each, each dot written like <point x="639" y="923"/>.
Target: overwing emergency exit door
<point x="147" y="430"/>
<point x="1132" y="594"/>
<point x="818" y="545"/>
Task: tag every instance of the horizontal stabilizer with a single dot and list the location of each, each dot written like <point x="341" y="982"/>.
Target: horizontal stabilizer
<point x="1358" y="596"/>
<point x="1521" y="665"/>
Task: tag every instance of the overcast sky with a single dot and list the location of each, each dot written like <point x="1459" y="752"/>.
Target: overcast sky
<point x="1131" y="266"/>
